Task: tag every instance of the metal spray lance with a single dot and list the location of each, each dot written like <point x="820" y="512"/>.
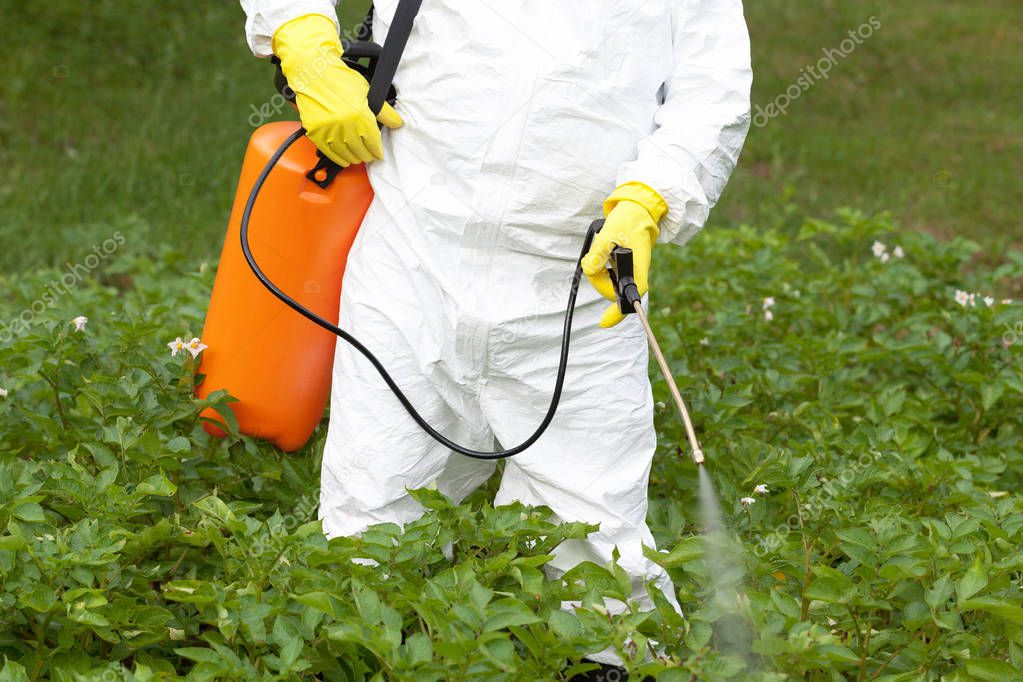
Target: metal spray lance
<point x="620" y="268"/>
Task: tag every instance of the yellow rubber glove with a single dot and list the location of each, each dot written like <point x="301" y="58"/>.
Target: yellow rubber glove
<point x="331" y="97"/>
<point x="632" y="214"/>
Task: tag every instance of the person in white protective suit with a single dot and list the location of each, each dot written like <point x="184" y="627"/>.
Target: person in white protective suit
<point x="522" y="122"/>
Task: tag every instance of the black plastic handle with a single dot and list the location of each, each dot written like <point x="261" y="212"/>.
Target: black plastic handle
<point x="361" y="49"/>
<point x="623" y="277"/>
<point x="621" y="269"/>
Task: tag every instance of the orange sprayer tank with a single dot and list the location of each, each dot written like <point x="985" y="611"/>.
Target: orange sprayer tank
<point x="273" y="360"/>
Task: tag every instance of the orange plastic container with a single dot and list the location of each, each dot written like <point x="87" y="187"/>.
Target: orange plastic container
<point x="274" y="361"/>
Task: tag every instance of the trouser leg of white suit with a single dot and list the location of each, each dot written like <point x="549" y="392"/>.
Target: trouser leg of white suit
<point x="593" y="463"/>
<point x="375" y="453"/>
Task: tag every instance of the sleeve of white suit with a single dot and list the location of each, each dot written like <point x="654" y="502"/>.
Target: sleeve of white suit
<point x="703" y="121"/>
<point x="264" y="17"/>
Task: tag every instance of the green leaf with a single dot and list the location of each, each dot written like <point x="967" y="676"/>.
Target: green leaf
<point x="13" y="543"/>
<point x="179" y="445"/>
<point x="418" y="648"/>
<point x="859" y="544"/>
<point x="990" y="669"/>
<point x="1004" y="610"/>
<point x="215" y="508"/>
<point x="831" y="586"/>
<point x="687" y="550"/>
<point x="973" y="581"/>
<point x="990" y="392"/>
<point x="190" y="591"/>
<point x="40" y="598"/>
<point x="287" y="636"/>
<point x="594" y="577"/>
<point x="839" y="654"/>
<point x="367" y="602"/>
<point x="158" y="485"/>
<point x="506" y="613"/>
<point x="939" y="593"/>
<point x="316" y="600"/>
<point x="565" y="625"/>
<point x="31" y="512"/>
<point x="198" y="654"/>
<point x="80" y="614"/>
<point x="480" y="596"/>
<point x="13" y="672"/>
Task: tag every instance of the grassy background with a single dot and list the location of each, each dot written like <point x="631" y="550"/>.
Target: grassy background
<point x="135" y="117"/>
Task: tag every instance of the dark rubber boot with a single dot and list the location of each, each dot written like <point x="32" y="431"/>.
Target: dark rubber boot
<point x="606" y="673"/>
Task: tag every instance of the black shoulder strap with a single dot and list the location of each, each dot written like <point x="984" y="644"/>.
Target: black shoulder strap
<point x="390" y="56"/>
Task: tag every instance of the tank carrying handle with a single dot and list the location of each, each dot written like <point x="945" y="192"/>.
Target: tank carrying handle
<point x="324" y="172"/>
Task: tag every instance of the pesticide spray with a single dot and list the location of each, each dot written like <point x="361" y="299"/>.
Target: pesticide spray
<point x="726" y="576"/>
<point x="725" y="572"/>
<point x="721" y="554"/>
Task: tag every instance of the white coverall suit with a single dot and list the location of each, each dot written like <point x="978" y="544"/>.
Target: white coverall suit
<point x="520" y="118"/>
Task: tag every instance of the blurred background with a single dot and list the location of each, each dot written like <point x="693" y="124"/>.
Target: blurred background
<point x="135" y="116"/>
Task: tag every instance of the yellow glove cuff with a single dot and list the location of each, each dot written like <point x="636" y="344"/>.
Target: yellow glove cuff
<point x="641" y="194"/>
<point x="306" y="37"/>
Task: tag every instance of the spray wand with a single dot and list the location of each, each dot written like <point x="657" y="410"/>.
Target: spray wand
<point x="620" y="268"/>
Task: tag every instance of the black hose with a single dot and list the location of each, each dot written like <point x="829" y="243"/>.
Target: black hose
<point x="566" y="335"/>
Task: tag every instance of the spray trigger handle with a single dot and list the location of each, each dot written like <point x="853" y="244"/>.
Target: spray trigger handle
<point x="620" y="267"/>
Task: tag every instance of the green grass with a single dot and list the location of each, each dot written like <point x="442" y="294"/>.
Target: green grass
<point x="135" y="117"/>
<point x="924" y="119"/>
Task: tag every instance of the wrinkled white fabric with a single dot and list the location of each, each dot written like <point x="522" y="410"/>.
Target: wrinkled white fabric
<point x="264" y="17"/>
<point x="520" y="118"/>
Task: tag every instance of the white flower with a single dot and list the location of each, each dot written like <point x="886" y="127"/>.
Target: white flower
<point x="898" y="252"/>
<point x="990" y="301"/>
<point x="195" y="346"/>
<point x="761" y="490"/>
<point x="884" y="257"/>
<point x="176" y="345"/>
<point x="973" y="300"/>
<point x="80" y="323"/>
<point x="704" y="341"/>
<point x="879" y="249"/>
<point x="768" y="315"/>
<point x="962" y="298"/>
<point x="1006" y="301"/>
<point x="747" y="501"/>
<point x="768" y="302"/>
<point x="3" y="392"/>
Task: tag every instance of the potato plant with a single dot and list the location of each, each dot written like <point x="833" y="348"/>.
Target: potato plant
<point x="870" y="380"/>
